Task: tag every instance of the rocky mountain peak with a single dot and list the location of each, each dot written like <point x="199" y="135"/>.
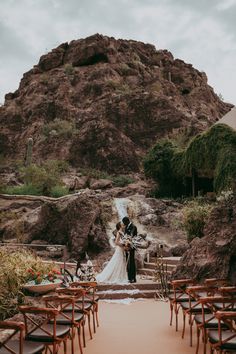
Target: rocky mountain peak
<point x="102" y="103"/>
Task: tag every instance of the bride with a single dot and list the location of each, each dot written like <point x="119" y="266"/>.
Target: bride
<point x="115" y="271"/>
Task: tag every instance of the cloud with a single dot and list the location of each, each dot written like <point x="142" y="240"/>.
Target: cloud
<point x="200" y="32"/>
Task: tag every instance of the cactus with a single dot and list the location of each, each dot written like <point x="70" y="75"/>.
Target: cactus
<point x="29" y="149"/>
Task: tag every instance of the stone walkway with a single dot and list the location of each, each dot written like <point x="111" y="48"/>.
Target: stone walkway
<point x="141" y="327"/>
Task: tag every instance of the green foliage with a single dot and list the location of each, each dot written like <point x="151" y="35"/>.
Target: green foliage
<point x="69" y="70"/>
<point x="13" y="275"/>
<point x="59" y="128"/>
<point x="41" y="180"/>
<point x="195" y="217"/>
<point x="25" y="189"/>
<point x="122" y="180"/>
<point x="93" y="173"/>
<point x="119" y="87"/>
<point x="211" y="153"/>
<point x="59" y="191"/>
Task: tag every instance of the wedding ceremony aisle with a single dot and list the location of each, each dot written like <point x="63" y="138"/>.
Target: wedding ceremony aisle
<point x="141" y="327"/>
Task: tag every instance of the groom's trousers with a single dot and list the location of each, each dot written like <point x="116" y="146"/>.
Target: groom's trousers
<point x="131" y="267"/>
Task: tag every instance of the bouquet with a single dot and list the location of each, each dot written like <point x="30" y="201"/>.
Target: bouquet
<point x="127" y="242"/>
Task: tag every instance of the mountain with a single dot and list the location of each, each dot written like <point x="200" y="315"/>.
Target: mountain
<point x="102" y="103"/>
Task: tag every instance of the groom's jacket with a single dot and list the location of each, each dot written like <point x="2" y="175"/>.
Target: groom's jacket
<point x="131" y="230"/>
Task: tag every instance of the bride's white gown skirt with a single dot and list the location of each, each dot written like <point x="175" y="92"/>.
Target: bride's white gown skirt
<point x="115" y="271"/>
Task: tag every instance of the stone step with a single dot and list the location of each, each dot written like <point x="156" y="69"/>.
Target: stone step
<point x="139" y="286"/>
<point x="169" y="267"/>
<point x="119" y="294"/>
<point x="150" y="272"/>
<point x="168" y="260"/>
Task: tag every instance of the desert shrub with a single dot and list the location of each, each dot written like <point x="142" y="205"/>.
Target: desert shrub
<point x="94" y="173"/>
<point x="14" y="266"/>
<point x="41" y="180"/>
<point x="122" y="180"/>
<point x="69" y="69"/>
<point x="59" y="191"/>
<point x="59" y="128"/>
<point x="195" y="216"/>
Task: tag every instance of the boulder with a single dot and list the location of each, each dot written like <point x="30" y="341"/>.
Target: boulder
<point x="213" y="255"/>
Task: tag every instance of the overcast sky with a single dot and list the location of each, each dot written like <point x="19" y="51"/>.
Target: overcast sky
<point x="201" y="32"/>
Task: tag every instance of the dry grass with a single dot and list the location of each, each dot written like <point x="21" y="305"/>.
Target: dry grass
<point x="13" y="274"/>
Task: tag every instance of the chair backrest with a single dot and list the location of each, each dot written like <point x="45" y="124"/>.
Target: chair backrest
<point x="228" y="318"/>
<point x="90" y="288"/>
<point x="31" y="323"/>
<point x="179" y="287"/>
<point x="77" y="294"/>
<point x="14" y="327"/>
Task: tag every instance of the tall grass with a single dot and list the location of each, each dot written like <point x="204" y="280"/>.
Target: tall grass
<point x="13" y="274"/>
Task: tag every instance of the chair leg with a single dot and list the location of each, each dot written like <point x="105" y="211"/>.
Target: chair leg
<point x="83" y="333"/>
<point x="79" y="339"/>
<point x="198" y="338"/>
<point x="191" y="329"/>
<point x="89" y="325"/>
<point x="184" y="319"/>
<point x="176" y="317"/>
<point x="171" y="313"/>
<point x="96" y="312"/>
<point x="94" y="325"/>
<point x="72" y="340"/>
<point x="65" y="346"/>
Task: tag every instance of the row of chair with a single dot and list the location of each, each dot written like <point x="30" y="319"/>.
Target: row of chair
<point x="64" y="315"/>
<point x="212" y="307"/>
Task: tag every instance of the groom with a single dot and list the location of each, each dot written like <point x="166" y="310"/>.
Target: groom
<point x="131" y="230"/>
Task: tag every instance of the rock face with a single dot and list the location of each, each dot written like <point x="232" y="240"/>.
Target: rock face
<point x="214" y="255"/>
<point x="74" y="221"/>
<point x="100" y="102"/>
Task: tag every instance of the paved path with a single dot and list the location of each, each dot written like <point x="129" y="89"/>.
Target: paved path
<point x="141" y="327"/>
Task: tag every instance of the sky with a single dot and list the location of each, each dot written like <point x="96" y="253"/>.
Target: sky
<point x="200" y="32"/>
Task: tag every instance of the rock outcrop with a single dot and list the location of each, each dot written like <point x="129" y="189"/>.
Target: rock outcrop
<point x="214" y="255"/>
<point x="100" y="102"/>
<point x="75" y="221"/>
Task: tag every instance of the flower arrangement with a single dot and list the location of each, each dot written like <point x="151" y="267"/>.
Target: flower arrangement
<point x="37" y="277"/>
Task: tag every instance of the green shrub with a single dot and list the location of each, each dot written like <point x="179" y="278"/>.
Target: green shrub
<point x="69" y="69"/>
<point x="59" y="128"/>
<point x="94" y="173"/>
<point x="25" y="189"/>
<point x="122" y="181"/>
<point x="195" y="217"/>
<point x="14" y="266"/>
<point x="59" y="191"/>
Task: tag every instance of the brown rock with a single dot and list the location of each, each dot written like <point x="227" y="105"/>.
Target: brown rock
<point x="214" y="255"/>
<point x="100" y="184"/>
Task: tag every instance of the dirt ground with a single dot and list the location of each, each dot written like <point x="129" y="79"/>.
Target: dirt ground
<point x="142" y="327"/>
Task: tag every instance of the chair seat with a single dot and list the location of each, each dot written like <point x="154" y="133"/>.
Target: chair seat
<point x="214" y="338"/>
<point x="87" y="306"/>
<point x="213" y="322"/>
<point x="221" y="306"/>
<point x="40" y="335"/>
<point x="28" y="347"/>
<point x="196" y="309"/>
<point x="60" y="319"/>
<point x="179" y="298"/>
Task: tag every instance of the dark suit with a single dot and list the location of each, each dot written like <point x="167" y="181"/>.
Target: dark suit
<point x="131" y="230"/>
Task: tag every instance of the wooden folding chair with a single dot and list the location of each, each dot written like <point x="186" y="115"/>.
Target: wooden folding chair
<point x="44" y="330"/>
<point x="205" y="321"/>
<point x="18" y="346"/>
<point x="177" y="296"/>
<point x="80" y="306"/>
<point x="220" y="340"/>
<point x="90" y="288"/>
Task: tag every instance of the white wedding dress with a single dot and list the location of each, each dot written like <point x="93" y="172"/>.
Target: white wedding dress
<point x="115" y="272"/>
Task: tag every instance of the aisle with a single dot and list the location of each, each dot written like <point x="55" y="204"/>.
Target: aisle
<point x="139" y="328"/>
